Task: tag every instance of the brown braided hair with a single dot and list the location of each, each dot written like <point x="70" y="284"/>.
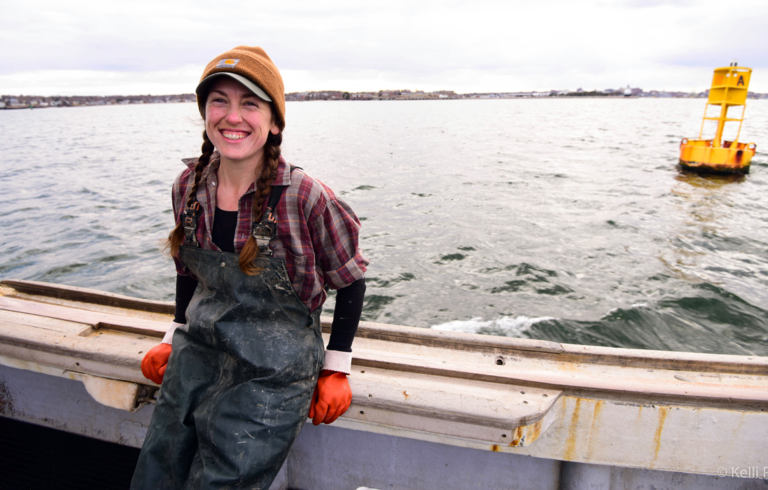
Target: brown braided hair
<point x="176" y="237"/>
<point x="263" y="187"/>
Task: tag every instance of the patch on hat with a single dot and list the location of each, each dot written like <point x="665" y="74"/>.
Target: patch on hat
<point x="230" y="63"/>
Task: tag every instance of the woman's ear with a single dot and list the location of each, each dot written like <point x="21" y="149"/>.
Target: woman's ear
<point x="275" y="129"/>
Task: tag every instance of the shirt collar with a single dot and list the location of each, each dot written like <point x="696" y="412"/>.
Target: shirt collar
<point x="210" y="171"/>
<point x="283" y="173"/>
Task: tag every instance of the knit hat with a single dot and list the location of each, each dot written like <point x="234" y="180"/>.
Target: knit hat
<point x="250" y="66"/>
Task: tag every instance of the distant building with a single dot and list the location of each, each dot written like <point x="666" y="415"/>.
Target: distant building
<point x="416" y="96"/>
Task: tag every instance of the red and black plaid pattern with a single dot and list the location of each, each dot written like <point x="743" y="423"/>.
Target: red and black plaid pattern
<point x="317" y="233"/>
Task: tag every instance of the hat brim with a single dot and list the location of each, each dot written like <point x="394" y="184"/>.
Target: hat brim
<point x="202" y="87"/>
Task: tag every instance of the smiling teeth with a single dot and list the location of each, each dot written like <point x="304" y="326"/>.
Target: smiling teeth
<point x="234" y="136"/>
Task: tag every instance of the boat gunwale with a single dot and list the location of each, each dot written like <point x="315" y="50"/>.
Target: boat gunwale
<point x="87" y="295"/>
<point x="487" y="344"/>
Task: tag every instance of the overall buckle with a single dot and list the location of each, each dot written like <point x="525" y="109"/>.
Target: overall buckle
<point x="264" y="231"/>
<point x="189" y="221"/>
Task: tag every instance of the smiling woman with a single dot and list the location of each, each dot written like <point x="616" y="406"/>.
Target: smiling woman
<point x="256" y="243"/>
<point x="238" y="123"/>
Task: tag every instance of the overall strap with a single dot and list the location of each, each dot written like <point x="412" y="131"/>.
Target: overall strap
<point x="263" y="231"/>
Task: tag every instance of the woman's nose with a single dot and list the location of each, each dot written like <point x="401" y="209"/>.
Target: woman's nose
<point x="233" y="115"/>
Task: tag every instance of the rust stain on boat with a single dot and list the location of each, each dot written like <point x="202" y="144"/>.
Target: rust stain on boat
<point x="495" y="448"/>
<point x="596" y="413"/>
<point x="525" y="435"/>
<point x="516" y="437"/>
<point x="594" y="428"/>
<point x="663" y="412"/>
<point x="570" y="443"/>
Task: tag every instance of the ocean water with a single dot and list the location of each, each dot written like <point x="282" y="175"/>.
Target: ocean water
<point x="562" y="220"/>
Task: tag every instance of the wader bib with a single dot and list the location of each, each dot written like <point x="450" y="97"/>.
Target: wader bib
<point x="240" y="378"/>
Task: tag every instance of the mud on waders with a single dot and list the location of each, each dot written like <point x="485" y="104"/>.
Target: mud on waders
<point x="242" y="372"/>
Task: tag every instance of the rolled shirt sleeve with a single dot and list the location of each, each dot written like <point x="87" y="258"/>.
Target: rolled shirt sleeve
<point x="319" y="239"/>
<point x="336" y="234"/>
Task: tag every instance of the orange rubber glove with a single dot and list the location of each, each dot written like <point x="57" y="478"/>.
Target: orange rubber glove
<point x="155" y="361"/>
<point x="331" y="399"/>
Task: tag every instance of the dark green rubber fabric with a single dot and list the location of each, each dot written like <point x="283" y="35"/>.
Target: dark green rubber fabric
<point x="239" y="381"/>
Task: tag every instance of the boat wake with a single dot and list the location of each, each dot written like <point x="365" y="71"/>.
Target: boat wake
<point x="506" y="325"/>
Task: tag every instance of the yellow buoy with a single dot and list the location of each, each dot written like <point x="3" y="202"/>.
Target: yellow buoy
<point x="729" y="89"/>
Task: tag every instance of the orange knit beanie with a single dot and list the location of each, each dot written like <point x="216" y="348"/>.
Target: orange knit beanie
<point x="252" y="63"/>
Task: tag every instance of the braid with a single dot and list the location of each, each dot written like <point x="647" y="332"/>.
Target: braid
<point x="263" y="188"/>
<point x="202" y="162"/>
<point x="268" y="173"/>
<point x="176" y="237"/>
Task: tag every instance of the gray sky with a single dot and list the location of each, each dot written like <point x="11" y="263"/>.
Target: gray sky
<point x="161" y="46"/>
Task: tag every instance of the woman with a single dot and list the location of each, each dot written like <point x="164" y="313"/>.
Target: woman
<point x="256" y="243"/>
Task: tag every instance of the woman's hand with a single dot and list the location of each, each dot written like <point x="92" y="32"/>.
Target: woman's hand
<point x="331" y="399"/>
<point x="155" y="361"/>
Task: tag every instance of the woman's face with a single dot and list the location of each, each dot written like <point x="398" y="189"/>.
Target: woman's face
<point x="237" y="122"/>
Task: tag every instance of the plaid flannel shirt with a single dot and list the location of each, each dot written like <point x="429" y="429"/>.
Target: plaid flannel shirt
<point x="317" y="233"/>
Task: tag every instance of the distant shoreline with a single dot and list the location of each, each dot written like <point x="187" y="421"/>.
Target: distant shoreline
<point x="38" y="102"/>
<point x="10" y="102"/>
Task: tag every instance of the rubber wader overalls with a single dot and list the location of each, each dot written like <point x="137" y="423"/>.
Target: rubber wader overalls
<point x="240" y="378"/>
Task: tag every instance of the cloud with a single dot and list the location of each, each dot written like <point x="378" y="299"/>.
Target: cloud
<point x="470" y="46"/>
<point x="100" y="82"/>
